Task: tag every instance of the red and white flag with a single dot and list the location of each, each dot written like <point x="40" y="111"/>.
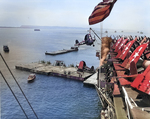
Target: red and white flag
<point x="101" y="11"/>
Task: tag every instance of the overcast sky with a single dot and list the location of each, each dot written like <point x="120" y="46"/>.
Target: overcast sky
<point x="126" y="14"/>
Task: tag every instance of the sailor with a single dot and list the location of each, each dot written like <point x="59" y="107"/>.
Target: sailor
<point x="105" y="48"/>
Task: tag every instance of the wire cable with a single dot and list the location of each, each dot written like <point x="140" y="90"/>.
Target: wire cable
<point x="13" y="94"/>
<point x="95" y="33"/>
<point x="19" y="86"/>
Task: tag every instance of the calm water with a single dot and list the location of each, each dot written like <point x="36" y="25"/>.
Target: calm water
<point x="51" y="97"/>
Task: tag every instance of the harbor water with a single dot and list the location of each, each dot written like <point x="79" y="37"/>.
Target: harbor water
<point x="51" y="97"/>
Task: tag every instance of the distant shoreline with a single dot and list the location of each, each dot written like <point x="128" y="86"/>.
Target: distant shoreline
<point x="105" y="31"/>
<point x="39" y="27"/>
<point x="8" y="27"/>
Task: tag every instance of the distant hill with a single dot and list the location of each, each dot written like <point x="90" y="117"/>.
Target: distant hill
<point x="39" y="27"/>
<point x="8" y="27"/>
<point x="45" y="27"/>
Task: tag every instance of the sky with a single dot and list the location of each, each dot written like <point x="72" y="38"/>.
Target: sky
<point x="126" y="14"/>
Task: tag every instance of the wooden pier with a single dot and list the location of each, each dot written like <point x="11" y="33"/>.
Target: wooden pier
<point x="62" y="51"/>
<point x="60" y="71"/>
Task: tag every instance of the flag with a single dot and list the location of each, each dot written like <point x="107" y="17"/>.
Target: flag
<point x="101" y="11"/>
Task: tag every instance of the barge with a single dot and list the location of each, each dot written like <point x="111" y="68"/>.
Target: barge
<point x="62" y="51"/>
<point x="59" y="69"/>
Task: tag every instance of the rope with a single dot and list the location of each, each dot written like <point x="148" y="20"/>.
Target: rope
<point x="13" y="94"/>
<point x="19" y="87"/>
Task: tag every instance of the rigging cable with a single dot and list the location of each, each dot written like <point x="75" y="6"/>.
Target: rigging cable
<point x="95" y="33"/>
<point x="19" y="86"/>
<point x="14" y="94"/>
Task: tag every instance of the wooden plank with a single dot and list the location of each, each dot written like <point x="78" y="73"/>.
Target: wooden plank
<point x="119" y="107"/>
<point x="139" y="114"/>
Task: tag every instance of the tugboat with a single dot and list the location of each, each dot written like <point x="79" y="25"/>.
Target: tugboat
<point x="6" y="48"/>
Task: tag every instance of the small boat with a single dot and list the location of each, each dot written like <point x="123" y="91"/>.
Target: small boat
<point x="31" y="77"/>
<point x="36" y="29"/>
<point x="6" y="48"/>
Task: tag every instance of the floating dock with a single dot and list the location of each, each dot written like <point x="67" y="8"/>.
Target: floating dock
<point x="92" y="80"/>
<point x="60" y="71"/>
<point x="62" y="51"/>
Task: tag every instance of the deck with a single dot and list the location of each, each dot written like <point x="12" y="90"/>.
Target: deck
<point x="92" y="80"/>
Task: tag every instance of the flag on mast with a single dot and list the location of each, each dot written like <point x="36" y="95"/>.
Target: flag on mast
<point x="101" y="11"/>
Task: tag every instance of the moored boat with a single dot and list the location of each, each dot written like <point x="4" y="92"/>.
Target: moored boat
<point x="6" y="48"/>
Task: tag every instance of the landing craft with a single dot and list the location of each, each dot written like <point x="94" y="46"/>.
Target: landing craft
<point x="88" y="40"/>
